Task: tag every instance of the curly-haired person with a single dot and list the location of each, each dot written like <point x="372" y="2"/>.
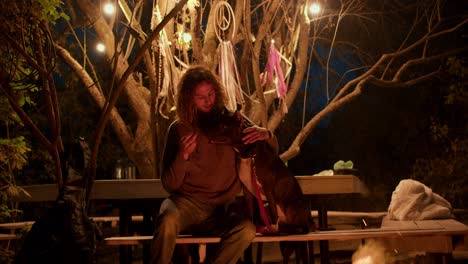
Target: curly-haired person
<point x="202" y="177"/>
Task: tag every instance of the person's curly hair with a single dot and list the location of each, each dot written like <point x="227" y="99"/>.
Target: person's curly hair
<point x="185" y="106"/>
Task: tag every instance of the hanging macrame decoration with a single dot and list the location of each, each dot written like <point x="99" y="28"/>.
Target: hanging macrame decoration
<point x="273" y="75"/>
<point x="227" y="69"/>
<point x="169" y="74"/>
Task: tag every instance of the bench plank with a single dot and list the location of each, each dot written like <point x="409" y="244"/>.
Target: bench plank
<point x="313" y="236"/>
<point x="16" y="225"/>
<point x="4" y="237"/>
<point x="97" y="219"/>
<point x="442" y="243"/>
<point x="347" y="214"/>
<point x="139" y="218"/>
<point x="437" y="244"/>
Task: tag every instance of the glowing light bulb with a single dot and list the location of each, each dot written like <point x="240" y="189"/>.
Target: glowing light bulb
<point x="100" y="47"/>
<point x="315" y="8"/>
<point x="108" y="8"/>
<point x="186" y="37"/>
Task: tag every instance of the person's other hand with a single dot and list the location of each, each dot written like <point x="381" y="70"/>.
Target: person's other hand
<point x="255" y="133"/>
<point x="188" y="144"/>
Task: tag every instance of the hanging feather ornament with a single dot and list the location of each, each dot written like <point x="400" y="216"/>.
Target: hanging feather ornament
<point x="227" y="69"/>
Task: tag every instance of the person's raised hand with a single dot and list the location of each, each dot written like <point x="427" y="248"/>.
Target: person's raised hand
<point x="188" y="144"/>
<point x="255" y="133"/>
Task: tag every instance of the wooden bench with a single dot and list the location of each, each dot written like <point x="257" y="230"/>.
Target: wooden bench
<point x="313" y="236"/>
<point x="113" y="220"/>
<point x="440" y="242"/>
<point x="12" y="227"/>
<point x="7" y="237"/>
<point x="386" y="233"/>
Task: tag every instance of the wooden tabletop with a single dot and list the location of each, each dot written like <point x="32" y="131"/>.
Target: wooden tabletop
<point x="153" y="189"/>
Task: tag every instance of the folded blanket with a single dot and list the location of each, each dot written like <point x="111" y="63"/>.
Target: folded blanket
<point x="412" y="200"/>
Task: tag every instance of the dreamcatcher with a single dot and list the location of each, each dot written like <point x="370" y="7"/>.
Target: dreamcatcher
<point x="273" y="75"/>
<point x="224" y="19"/>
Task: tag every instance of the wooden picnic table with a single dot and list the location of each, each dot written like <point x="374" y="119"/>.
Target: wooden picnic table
<point x="151" y="189"/>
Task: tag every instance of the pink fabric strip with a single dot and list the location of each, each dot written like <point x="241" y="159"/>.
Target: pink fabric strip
<point x="274" y="67"/>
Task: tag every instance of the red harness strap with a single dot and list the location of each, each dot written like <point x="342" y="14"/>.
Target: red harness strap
<point x="268" y="229"/>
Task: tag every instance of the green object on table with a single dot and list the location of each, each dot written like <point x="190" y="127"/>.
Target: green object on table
<point x="341" y="165"/>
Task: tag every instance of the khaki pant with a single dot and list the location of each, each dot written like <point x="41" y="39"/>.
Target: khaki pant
<point x="180" y="214"/>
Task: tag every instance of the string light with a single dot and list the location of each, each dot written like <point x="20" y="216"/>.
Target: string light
<point x="315" y="8"/>
<point x="183" y="40"/>
<point x="187" y="37"/>
<point x="313" y="11"/>
<point x="100" y="47"/>
<point x="108" y="8"/>
<point x="192" y="4"/>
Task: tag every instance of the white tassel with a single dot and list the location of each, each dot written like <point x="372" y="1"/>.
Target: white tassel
<point x="230" y="76"/>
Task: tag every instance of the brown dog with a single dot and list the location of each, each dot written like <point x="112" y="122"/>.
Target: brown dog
<point x="280" y="187"/>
